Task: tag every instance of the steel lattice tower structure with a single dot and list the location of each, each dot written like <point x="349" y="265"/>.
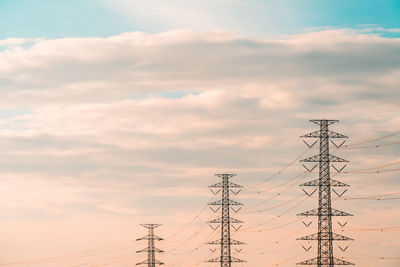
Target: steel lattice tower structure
<point x="225" y="221"/>
<point x="151" y="249"/>
<point x="324" y="184"/>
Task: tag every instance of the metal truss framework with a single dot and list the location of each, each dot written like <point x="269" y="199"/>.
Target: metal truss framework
<point x="225" y="221"/>
<point x="151" y="249"/>
<point x="325" y="184"/>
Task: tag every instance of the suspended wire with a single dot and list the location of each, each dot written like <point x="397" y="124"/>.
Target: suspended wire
<point x="373" y="140"/>
<point x="203" y="260"/>
<point x="380" y="229"/>
<point x="373" y="146"/>
<point x="253" y="251"/>
<point x="294" y="181"/>
<point x="373" y="197"/>
<point x="249" y="251"/>
<point x="274" y="242"/>
<point x="103" y="261"/>
<point x="374" y="168"/>
<point x="274" y="227"/>
<point x="371" y="257"/>
<point x="276" y="206"/>
<point x="188" y="224"/>
<point x="197" y="232"/>
<point x="197" y="216"/>
<point x="74" y="256"/>
<point x="379" y="199"/>
<point x="184" y="241"/>
<point x="182" y="253"/>
<point x="382" y="171"/>
<point x="100" y="251"/>
<point x="301" y="175"/>
<point x="196" y="249"/>
<point x="290" y="258"/>
<point x="277" y="216"/>
<point x="248" y="188"/>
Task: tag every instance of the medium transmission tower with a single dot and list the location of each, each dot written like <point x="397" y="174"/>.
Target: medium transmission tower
<point x="151" y="249"/>
<point x="324" y="184"/>
<point x="225" y="221"/>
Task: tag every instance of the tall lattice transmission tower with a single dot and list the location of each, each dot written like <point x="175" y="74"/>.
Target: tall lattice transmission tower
<point x="151" y="249"/>
<point x="225" y="222"/>
<point x="325" y="185"/>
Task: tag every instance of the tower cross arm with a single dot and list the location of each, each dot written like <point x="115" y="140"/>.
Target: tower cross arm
<point x="230" y="185"/>
<point x="319" y="134"/>
<point x="331" y="183"/>
<point x="229" y="242"/>
<point x="337" y="261"/>
<point x="150" y="237"/>
<point x="325" y="237"/>
<point x="148" y="262"/>
<point x="314" y="261"/>
<point x="329" y="158"/>
<point x="150" y="250"/>
<point x="150" y="225"/>
<point x="226" y="259"/>
<point x="229" y="202"/>
<point x="322" y="212"/>
<point x="328" y="122"/>
<point x="220" y="220"/>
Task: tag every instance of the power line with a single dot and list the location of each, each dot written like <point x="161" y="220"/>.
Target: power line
<point x="102" y="262"/>
<point x="112" y="262"/>
<point x="290" y="258"/>
<point x="274" y="207"/>
<point x="274" y="227"/>
<point x="188" y="224"/>
<point x="248" y="188"/>
<point x="379" y="229"/>
<point x="276" y="216"/>
<point x="294" y="181"/>
<point x="371" y="257"/>
<point x="188" y="239"/>
<point x="373" y="197"/>
<point x="74" y="256"/>
<point x="202" y="243"/>
<point x="372" y="140"/>
<point x="373" y="146"/>
<point x="197" y="216"/>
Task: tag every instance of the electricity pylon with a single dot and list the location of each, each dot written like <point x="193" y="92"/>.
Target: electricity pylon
<point x="151" y="249"/>
<point x="225" y="221"/>
<point x="324" y="184"/>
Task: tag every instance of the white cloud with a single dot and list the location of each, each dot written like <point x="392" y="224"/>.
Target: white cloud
<point x="132" y="121"/>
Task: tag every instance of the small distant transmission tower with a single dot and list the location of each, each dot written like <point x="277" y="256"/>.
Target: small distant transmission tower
<point x="151" y="249"/>
<point x="325" y="236"/>
<point x="225" y="221"/>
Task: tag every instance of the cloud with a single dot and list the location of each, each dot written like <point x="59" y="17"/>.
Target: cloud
<point x="131" y="125"/>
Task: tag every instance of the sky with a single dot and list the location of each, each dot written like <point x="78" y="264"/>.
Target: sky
<point x="117" y="113"/>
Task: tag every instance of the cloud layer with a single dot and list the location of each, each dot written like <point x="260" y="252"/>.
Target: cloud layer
<point x="115" y="128"/>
